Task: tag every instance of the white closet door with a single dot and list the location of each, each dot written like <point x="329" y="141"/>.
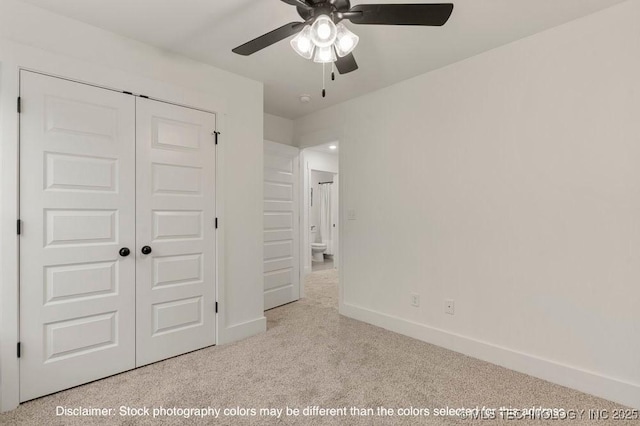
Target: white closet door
<point x="175" y="209"/>
<point x="77" y="206"/>
<point x="281" y="225"/>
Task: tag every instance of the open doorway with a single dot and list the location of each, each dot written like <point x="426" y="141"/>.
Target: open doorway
<point x="323" y="219"/>
<point x="320" y="208"/>
<point x="301" y="221"/>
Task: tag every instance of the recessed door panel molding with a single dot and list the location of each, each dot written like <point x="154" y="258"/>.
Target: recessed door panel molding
<point x="278" y="264"/>
<point x="175" y="181"/>
<point x="172" y="225"/>
<point x="80" y="227"/>
<point x="278" y="279"/>
<point x="281" y="225"/>
<point x="274" y="206"/>
<point x="278" y="191"/>
<point x="80" y="173"/>
<point x="78" y="336"/>
<point x="278" y="235"/>
<point x="82" y="118"/>
<point x="77" y="203"/>
<point x="68" y="283"/>
<point x="174" y="134"/>
<point x="177" y="270"/>
<point x="278" y="250"/>
<point x="278" y="176"/>
<point x="171" y="317"/>
<point x="172" y="179"/>
<point x="278" y="220"/>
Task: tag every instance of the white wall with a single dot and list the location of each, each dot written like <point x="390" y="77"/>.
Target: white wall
<point x="36" y="39"/>
<point x="509" y="182"/>
<point x="278" y="129"/>
<point x="318" y="160"/>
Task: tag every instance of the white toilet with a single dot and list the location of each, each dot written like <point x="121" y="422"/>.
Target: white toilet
<point x="317" y="251"/>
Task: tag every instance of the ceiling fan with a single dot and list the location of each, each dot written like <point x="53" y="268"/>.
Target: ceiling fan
<point x="323" y="37"/>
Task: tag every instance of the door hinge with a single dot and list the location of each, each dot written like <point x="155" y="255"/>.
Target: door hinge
<point x="19" y="349"/>
<point x="19" y="105"/>
<point x="216" y="134"/>
<point x="216" y="223"/>
<point x="19" y="227"/>
<point x="216" y="307"/>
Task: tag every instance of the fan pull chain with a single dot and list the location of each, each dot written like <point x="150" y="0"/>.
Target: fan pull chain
<point x="324" y="92"/>
<point x="333" y="71"/>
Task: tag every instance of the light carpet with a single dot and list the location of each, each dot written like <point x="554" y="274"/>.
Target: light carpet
<point x="312" y="356"/>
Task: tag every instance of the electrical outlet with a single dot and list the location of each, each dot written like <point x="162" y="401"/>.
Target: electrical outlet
<point x="415" y="300"/>
<point x="449" y="307"/>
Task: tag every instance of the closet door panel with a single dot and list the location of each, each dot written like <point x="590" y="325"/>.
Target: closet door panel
<point x="176" y="219"/>
<point x="77" y="202"/>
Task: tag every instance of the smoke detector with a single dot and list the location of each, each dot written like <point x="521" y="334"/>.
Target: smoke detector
<point x="305" y="99"/>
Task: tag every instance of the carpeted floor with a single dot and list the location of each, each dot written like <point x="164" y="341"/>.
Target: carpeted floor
<point x="311" y="356"/>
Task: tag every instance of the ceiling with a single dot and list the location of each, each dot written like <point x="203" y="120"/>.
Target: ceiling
<point x="207" y="30"/>
<point x="325" y="148"/>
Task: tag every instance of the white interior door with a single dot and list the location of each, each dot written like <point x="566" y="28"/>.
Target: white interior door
<point x="175" y="299"/>
<point x="77" y="202"/>
<point x="281" y="225"/>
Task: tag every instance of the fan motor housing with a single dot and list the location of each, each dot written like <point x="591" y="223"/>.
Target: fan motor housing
<point x="323" y="7"/>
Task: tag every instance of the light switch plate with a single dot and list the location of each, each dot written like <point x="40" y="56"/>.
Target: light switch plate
<point x="415" y="300"/>
<point x="351" y="214"/>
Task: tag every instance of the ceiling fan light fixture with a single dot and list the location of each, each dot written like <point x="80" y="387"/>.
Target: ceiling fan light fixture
<point x="323" y="31"/>
<point x="325" y="55"/>
<point x="346" y="40"/>
<point x="302" y="43"/>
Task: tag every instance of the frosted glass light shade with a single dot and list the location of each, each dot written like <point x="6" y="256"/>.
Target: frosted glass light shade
<point x="302" y="43"/>
<point x="346" y="41"/>
<point x="325" y="55"/>
<point x="323" y="31"/>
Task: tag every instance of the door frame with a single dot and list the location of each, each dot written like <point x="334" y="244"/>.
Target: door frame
<point x="60" y="66"/>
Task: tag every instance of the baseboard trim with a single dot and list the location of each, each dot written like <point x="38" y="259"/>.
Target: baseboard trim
<point x="243" y="330"/>
<point x="564" y="375"/>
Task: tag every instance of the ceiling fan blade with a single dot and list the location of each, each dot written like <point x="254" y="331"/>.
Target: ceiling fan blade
<point x="269" y="38"/>
<point x="300" y="3"/>
<point x="434" y="14"/>
<point x="346" y="64"/>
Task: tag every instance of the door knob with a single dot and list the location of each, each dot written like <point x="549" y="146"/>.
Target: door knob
<point x="146" y="250"/>
<point x="124" y="252"/>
